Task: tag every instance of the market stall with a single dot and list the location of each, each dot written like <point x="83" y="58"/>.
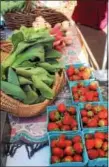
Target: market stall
<point x="50" y="91"/>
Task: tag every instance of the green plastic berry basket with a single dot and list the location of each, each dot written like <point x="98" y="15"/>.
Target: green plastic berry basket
<point x="98" y="162"/>
<point x="86" y="83"/>
<point x="78" y="66"/>
<point x="82" y="105"/>
<point x="69" y="135"/>
<point x="51" y="108"/>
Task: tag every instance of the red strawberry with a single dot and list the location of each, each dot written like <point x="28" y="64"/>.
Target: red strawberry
<point x="61" y="143"/>
<point x="76" y="139"/>
<point x="101" y="153"/>
<point x="74" y="128"/>
<point x="72" y="110"/>
<point x="71" y="78"/>
<point x="105" y="146"/>
<point x="103" y="108"/>
<point x="67" y="119"/>
<point x="88" y="106"/>
<point x="96" y="94"/>
<point x="85" y="75"/>
<point x="53" y="143"/>
<point x="68" y="159"/>
<point x="90" y="114"/>
<point x="75" y="78"/>
<point x="65" y="128"/>
<point x="85" y="120"/>
<point x="98" y="142"/>
<point x="75" y="96"/>
<point x="81" y="91"/>
<point x="73" y="123"/>
<point x="62" y="108"/>
<point x="92" y="123"/>
<point x="55" y="159"/>
<point x="58" y="152"/>
<point x="82" y="99"/>
<point x="68" y="143"/>
<point x="106" y="136"/>
<point x="70" y="71"/>
<point x="54" y="115"/>
<point x="102" y="114"/>
<point x="66" y="114"/>
<point x="69" y="150"/>
<point x="89" y="143"/>
<point x="106" y="154"/>
<point x="78" y="147"/>
<point x="52" y="126"/>
<point x="96" y="108"/>
<point x="82" y="68"/>
<point x="95" y="99"/>
<point x="103" y="122"/>
<point x="83" y="113"/>
<point x="62" y="137"/>
<point x="100" y="135"/>
<point x="77" y="158"/>
<point x="96" y="117"/>
<point x="89" y="136"/>
<point x="93" y="86"/>
<point x="80" y="84"/>
<point x="74" y="89"/>
<point x="59" y="123"/>
<point x="89" y="96"/>
<point x="93" y="154"/>
<point x="76" y="71"/>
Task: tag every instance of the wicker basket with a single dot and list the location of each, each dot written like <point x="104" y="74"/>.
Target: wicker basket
<point x="14" y="20"/>
<point x="19" y="109"/>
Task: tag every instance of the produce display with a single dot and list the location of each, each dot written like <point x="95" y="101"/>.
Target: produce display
<point x="83" y="92"/>
<point x="62" y="32"/>
<point x="97" y="145"/>
<point x="63" y="118"/>
<point x="94" y="116"/>
<point x="79" y="73"/>
<point x="28" y="73"/>
<point x="65" y="149"/>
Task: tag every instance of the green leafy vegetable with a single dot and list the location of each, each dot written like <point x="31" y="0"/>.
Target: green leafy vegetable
<point x="44" y="89"/>
<point x="13" y="90"/>
<point x="53" y="54"/>
<point x="50" y="67"/>
<point x="12" y="77"/>
<point x="36" y="51"/>
<point x="46" y="79"/>
<point x="24" y="81"/>
<point x="28" y="72"/>
<point x="31" y="96"/>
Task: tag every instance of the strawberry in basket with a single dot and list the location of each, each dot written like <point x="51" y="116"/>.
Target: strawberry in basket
<point x="97" y="145"/>
<point x="66" y="149"/>
<point x="80" y="73"/>
<point x="63" y="119"/>
<point x="94" y="116"/>
<point x="85" y="93"/>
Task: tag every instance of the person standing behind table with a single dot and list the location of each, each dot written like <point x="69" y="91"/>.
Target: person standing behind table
<point x="91" y="13"/>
